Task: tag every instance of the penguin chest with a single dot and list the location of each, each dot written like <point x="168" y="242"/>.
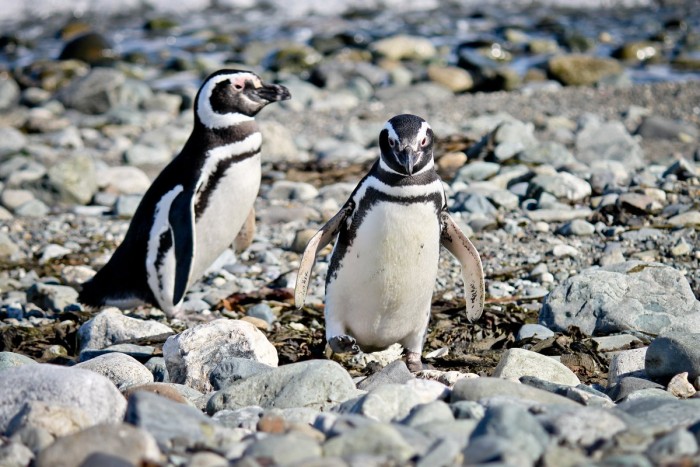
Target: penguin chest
<point x="229" y="199"/>
<point x="384" y="283"/>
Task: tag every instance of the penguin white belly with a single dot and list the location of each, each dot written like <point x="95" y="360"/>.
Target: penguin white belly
<point x="227" y="209"/>
<point x="384" y="284"/>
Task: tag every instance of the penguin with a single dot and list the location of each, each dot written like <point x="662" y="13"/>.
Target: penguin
<point x="197" y="205"/>
<point x="384" y="264"/>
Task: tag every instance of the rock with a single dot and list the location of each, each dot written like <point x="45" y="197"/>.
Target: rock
<point x="634" y="295"/>
<point x="124" y="442"/>
<point x="549" y="153"/>
<point x="680" y="387"/>
<point x="10" y="360"/>
<point x="377" y="439"/>
<point x="15" y="454"/>
<point x="74" y="276"/>
<point x="121" y="369"/>
<point x="9" y="251"/>
<point x="677" y="444"/>
<point x="478" y="389"/>
<point x="246" y="418"/>
<point x="111" y="327"/>
<point x="681" y="248"/>
<point x="608" y="141"/>
<point x="94" y="394"/>
<point x="682" y="169"/>
<point x="141" y="155"/>
<point x="685" y="219"/>
<point x="658" y="127"/>
<point x="477" y="170"/>
<point x="157" y="367"/>
<point x="171" y="422"/>
<point x="53" y="251"/>
<point x="33" y="208"/>
<point x="577" y="227"/>
<point x="473" y="203"/>
<point x="671" y="354"/>
<point x="193" y="354"/>
<point x="627" y="385"/>
<point x="301" y="239"/>
<point x="287" y="190"/>
<point x="262" y="311"/>
<point x="279" y="143"/>
<point x="318" y="384"/>
<point x="395" y="372"/>
<point x="520" y="430"/>
<point x="454" y="78"/>
<point x="11" y="140"/>
<point x="94" y="93"/>
<point x="285" y="449"/>
<point x="557" y="215"/>
<point x="385" y="403"/>
<point x="9" y="93"/>
<point x="582" y="70"/>
<point x="173" y="392"/>
<point x="126" y="205"/>
<point x="13" y="198"/>
<point x="581" y="393"/>
<point x="123" y="180"/>
<point x="52" y="297"/>
<point x="91" y="47"/>
<point x="233" y="369"/>
<point x="616" y="342"/>
<point x="661" y="414"/>
<point x="429" y="413"/>
<point x="515" y="363"/>
<point x="536" y="331"/>
<point x="404" y="47"/>
<point x="581" y="426"/>
<point x="627" y="363"/>
<point x="563" y="185"/>
<point x="55" y="420"/>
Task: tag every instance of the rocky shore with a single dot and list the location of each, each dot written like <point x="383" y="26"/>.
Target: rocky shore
<point x="581" y="196"/>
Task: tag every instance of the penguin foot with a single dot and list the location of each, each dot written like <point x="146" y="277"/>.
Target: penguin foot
<point x="343" y="344"/>
<point x="413" y="361"/>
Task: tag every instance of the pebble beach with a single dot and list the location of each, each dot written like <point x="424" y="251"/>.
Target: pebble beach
<point x="568" y="141"/>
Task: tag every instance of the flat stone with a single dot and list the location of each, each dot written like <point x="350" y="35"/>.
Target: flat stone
<point x="385" y="403"/>
<point x="142" y="353"/>
<point x="634" y="295"/>
<point x="557" y="215"/>
<point x="285" y="449"/>
<point x="52" y="297"/>
<point x="170" y="391"/>
<point x="377" y="439"/>
<point x="404" y="47"/>
<point x="581" y="393"/>
<point x="663" y="413"/>
<point x="124" y="371"/>
<point x="90" y="392"/>
<point x="536" y="331"/>
<point x="395" y="372"/>
<point x="193" y="354"/>
<point x="577" y="227"/>
<point x="627" y="385"/>
<point x="563" y="185"/>
<point x="686" y="219"/>
<point x="74" y="179"/>
<point x="616" y="342"/>
<point x="122" y="441"/>
<point x="483" y="388"/>
<point x="111" y="327"/>
<point x="56" y="420"/>
<point x="318" y="384"/>
<point x="515" y="363"/>
<point x="234" y="369"/>
<point x="581" y="426"/>
<point x="671" y="354"/>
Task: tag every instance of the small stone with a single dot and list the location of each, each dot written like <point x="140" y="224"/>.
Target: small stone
<point x="385" y="403"/>
<point x="681" y="248"/>
<point x="678" y="444"/>
<point x="126" y="205"/>
<point x="616" y="342"/>
<point x="563" y="185"/>
<point x="143" y="155"/>
<point x="94" y="93"/>
<point x="111" y="327"/>
<point x="75" y="275"/>
<point x="14" y="198"/>
<point x="33" y="208"/>
<point x="15" y="454"/>
<point x="582" y="70"/>
<point x="627" y="385"/>
<point x="536" y="331"/>
<point x="478" y="389"/>
<point x="627" y="363"/>
<point x="288" y="190"/>
<point x="233" y="369"/>
<point x="156" y="365"/>
<point x="376" y="439"/>
<point x="123" y="180"/>
<point x="577" y="227"/>
<point x="395" y="372"/>
<point x="121" y="369"/>
<point x="672" y="354"/>
<point x="581" y="426"/>
<point x="680" y="387"/>
<point x="11" y="139"/>
<point x="454" y="78"/>
<point x="403" y="47"/>
<point x="301" y="239"/>
<point x="658" y="127"/>
<point x="285" y="449"/>
<point x="193" y="354"/>
<point x="53" y="251"/>
<point x="515" y="363"/>
<point x="686" y="219"/>
<point x="9" y="93"/>
<point x="168" y="390"/>
<point x="52" y="297"/>
<point x="562" y="251"/>
<point x="609" y="141"/>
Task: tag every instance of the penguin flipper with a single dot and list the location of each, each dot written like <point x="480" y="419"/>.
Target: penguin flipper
<point x="317" y="242"/>
<point x="181" y="219"/>
<point x="463" y="249"/>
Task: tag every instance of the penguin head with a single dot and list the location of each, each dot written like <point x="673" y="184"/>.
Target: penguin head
<point x="228" y="97"/>
<point x="406" y="144"/>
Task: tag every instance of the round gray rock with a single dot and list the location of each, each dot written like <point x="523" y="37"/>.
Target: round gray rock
<point x="672" y="354"/>
<point x="121" y="369"/>
<point x="516" y="362"/>
<point x="111" y="327"/>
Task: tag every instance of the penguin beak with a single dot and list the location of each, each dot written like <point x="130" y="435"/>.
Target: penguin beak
<point x="272" y="93"/>
<point x="407" y="156"/>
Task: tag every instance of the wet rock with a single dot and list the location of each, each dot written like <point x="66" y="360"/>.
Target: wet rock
<point x="233" y="369"/>
<point x="94" y="394"/>
<point x="121" y="369"/>
<point x="582" y="70"/>
<point x="633" y="295"/>
<point x="377" y="439"/>
<point x="11" y="359"/>
<point x="404" y="47"/>
<point x="671" y="354"/>
<point x="478" y="389"/>
<point x="627" y="363"/>
<point x="515" y="363"/>
<point x="317" y="384"/>
<point x="52" y="297"/>
<point x="395" y="372"/>
<point x="639" y="51"/>
<point x="193" y="354"/>
<point x="111" y="327"/>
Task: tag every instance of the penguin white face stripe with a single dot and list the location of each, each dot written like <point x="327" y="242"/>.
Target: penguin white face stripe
<point x="392" y="132"/>
<point x="386" y="168"/>
<point x="161" y="278"/>
<point x="422" y="133"/>
<point x="208" y="116"/>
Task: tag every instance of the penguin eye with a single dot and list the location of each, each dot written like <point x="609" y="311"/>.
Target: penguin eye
<point x="238" y="86"/>
<point x="392" y="143"/>
<point x="424" y="142"/>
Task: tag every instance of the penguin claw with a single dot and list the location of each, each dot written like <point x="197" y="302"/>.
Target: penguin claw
<point x="413" y="361"/>
<point x="343" y="344"/>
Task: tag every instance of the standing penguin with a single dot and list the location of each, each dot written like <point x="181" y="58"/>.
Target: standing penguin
<point x="383" y="268"/>
<point x="197" y="205"/>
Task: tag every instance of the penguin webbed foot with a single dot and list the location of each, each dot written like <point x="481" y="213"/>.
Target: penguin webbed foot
<point x="413" y="361"/>
<point x="343" y="344"/>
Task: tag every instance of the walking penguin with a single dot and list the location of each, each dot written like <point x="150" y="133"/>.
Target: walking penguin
<point x="384" y="264"/>
<point x="197" y="205"/>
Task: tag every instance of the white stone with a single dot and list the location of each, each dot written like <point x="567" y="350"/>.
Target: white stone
<point x="123" y="180"/>
<point x="111" y="327"/>
<point x="123" y="370"/>
<point x="627" y="363"/>
<point x="515" y="363"/>
<point x="193" y="354"/>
